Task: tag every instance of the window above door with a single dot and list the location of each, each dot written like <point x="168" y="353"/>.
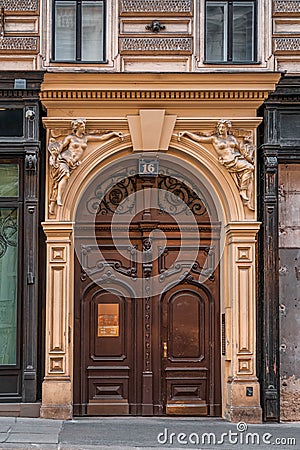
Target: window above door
<point x="230" y="31"/>
<point x="79" y="31"/>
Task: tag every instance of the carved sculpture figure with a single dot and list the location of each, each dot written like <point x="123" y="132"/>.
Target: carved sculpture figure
<point x="66" y="156"/>
<point x="237" y="158"/>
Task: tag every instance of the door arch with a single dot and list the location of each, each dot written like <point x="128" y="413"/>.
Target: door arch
<point x="149" y="247"/>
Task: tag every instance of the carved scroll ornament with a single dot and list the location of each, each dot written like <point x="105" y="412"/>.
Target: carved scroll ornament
<point x="236" y="155"/>
<point x="66" y="156"/>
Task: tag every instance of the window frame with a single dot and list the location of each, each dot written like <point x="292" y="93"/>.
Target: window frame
<point x="229" y="18"/>
<point x="78" y="43"/>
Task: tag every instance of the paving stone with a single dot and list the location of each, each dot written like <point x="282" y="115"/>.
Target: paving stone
<point x="3" y="437"/>
<point x="29" y="447"/>
<point x="30" y="438"/>
<point x="6" y="423"/>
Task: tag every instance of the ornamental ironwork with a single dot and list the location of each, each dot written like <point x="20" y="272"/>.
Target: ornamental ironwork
<point x="118" y="199"/>
<point x="175" y="197"/>
<point x="8" y="232"/>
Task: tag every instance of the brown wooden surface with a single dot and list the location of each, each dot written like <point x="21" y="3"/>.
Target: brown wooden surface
<point x="166" y="358"/>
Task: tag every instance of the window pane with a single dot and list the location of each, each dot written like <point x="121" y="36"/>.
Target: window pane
<point x="9" y="180"/>
<point x="65" y="31"/>
<point x="8" y="285"/>
<point x="92" y="31"/>
<point x="216" y="31"/>
<point x="243" y="31"/>
<point x="11" y="122"/>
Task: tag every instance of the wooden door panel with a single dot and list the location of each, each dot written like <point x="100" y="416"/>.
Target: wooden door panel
<point x="186" y="328"/>
<point x="108" y="391"/>
<point x="186" y="395"/>
<point x="107" y="351"/>
<point x="151" y="352"/>
<point x="187" y="320"/>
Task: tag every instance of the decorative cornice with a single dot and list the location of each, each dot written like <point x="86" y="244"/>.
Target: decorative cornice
<point x="156" y="44"/>
<point x="19" y="43"/>
<point x="286" y="6"/>
<point x="20" y="5"/>
<point x="156" y="6"/>
<point x="152" y="95"/>
<point x="19" y="94"/>
<point x="287" y="44"/>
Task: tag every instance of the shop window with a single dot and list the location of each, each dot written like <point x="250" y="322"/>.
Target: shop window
<point x="11" y="122"/>
<point x="79" y="30"/>
<point x="9" y="260"/>
<point x="230" y="31"/>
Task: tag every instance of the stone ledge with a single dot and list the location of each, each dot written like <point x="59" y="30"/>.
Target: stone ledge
<point x="20" y="409"/>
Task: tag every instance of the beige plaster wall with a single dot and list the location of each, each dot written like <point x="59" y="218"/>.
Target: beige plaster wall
<point x="178" y="103"/>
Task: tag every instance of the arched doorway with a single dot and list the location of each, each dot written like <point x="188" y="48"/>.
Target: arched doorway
<point x="147" y="296"/>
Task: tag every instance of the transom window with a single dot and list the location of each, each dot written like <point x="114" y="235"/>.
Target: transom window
<point x="230" y="31"/>
<point x="79" y="30"/>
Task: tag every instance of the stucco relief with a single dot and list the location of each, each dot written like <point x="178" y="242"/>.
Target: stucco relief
<point x="66" y="155"/>
<point x="235" y="152"/>
<point x="20" y="5"/>
<point x="142" y="6"/>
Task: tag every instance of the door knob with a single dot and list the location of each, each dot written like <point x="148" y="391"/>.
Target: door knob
<point x="165" y="347"/>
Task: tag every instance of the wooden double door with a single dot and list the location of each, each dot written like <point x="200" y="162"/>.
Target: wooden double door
<point x="147" y="333"/>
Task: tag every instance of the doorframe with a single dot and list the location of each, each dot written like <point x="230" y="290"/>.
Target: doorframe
<point x="237" y="270"/>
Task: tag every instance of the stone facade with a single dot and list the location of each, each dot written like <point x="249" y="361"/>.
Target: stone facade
<point x="153" y="91"/>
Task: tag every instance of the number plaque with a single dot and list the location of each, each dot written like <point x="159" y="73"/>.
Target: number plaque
<point x="148" y="167"/>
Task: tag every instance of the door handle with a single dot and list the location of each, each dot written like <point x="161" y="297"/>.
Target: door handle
<point x="165" y="348"/>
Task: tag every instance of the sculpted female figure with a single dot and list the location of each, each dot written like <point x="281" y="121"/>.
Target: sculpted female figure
<point x="65" y="157"/>
<point x="235" y="158"/>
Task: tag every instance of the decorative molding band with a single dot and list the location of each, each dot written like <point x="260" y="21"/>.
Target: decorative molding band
<point x="156" y="6"/>
<point x="19" y="93"/>
<point x="19" y="43"/>
<point x="153" y="95"/>
<point x="20" y="5"/>
<point x="159" y="44"/>
<point x="286" y="6"/>
<point x="285" y="44"/>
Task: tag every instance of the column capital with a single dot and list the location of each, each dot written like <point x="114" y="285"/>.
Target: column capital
<point x="242" y="231"/>
<point x="58" y="230"/>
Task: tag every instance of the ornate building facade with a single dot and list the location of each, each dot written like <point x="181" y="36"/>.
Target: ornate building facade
<point x="152" y="213"/>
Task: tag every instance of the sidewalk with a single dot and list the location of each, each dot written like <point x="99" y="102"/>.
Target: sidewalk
<point x="124" y="433"/>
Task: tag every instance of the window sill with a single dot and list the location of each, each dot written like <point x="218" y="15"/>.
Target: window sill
<point x="231" y="63"/>
<point x="76" y="63"/>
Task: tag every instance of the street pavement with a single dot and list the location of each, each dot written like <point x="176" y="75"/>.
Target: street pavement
<point x="124" y="433"/>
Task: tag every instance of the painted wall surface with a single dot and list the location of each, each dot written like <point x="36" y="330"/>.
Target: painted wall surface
<point x="289" y="289"/>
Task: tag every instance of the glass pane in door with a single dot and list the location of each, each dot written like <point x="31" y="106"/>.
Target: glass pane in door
<point x="8" y="285"/>
<point x="9" y="180"/>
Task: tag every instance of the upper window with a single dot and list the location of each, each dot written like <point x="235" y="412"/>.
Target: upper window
<point x="230" y="31"/>
<point x="79" y="30"/>
<point x="11" y="122"/>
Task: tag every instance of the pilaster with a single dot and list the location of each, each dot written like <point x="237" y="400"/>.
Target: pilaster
<point x="268" y="323"/>
<point x="57" y="387"/>
<point x="243" y="395"/>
